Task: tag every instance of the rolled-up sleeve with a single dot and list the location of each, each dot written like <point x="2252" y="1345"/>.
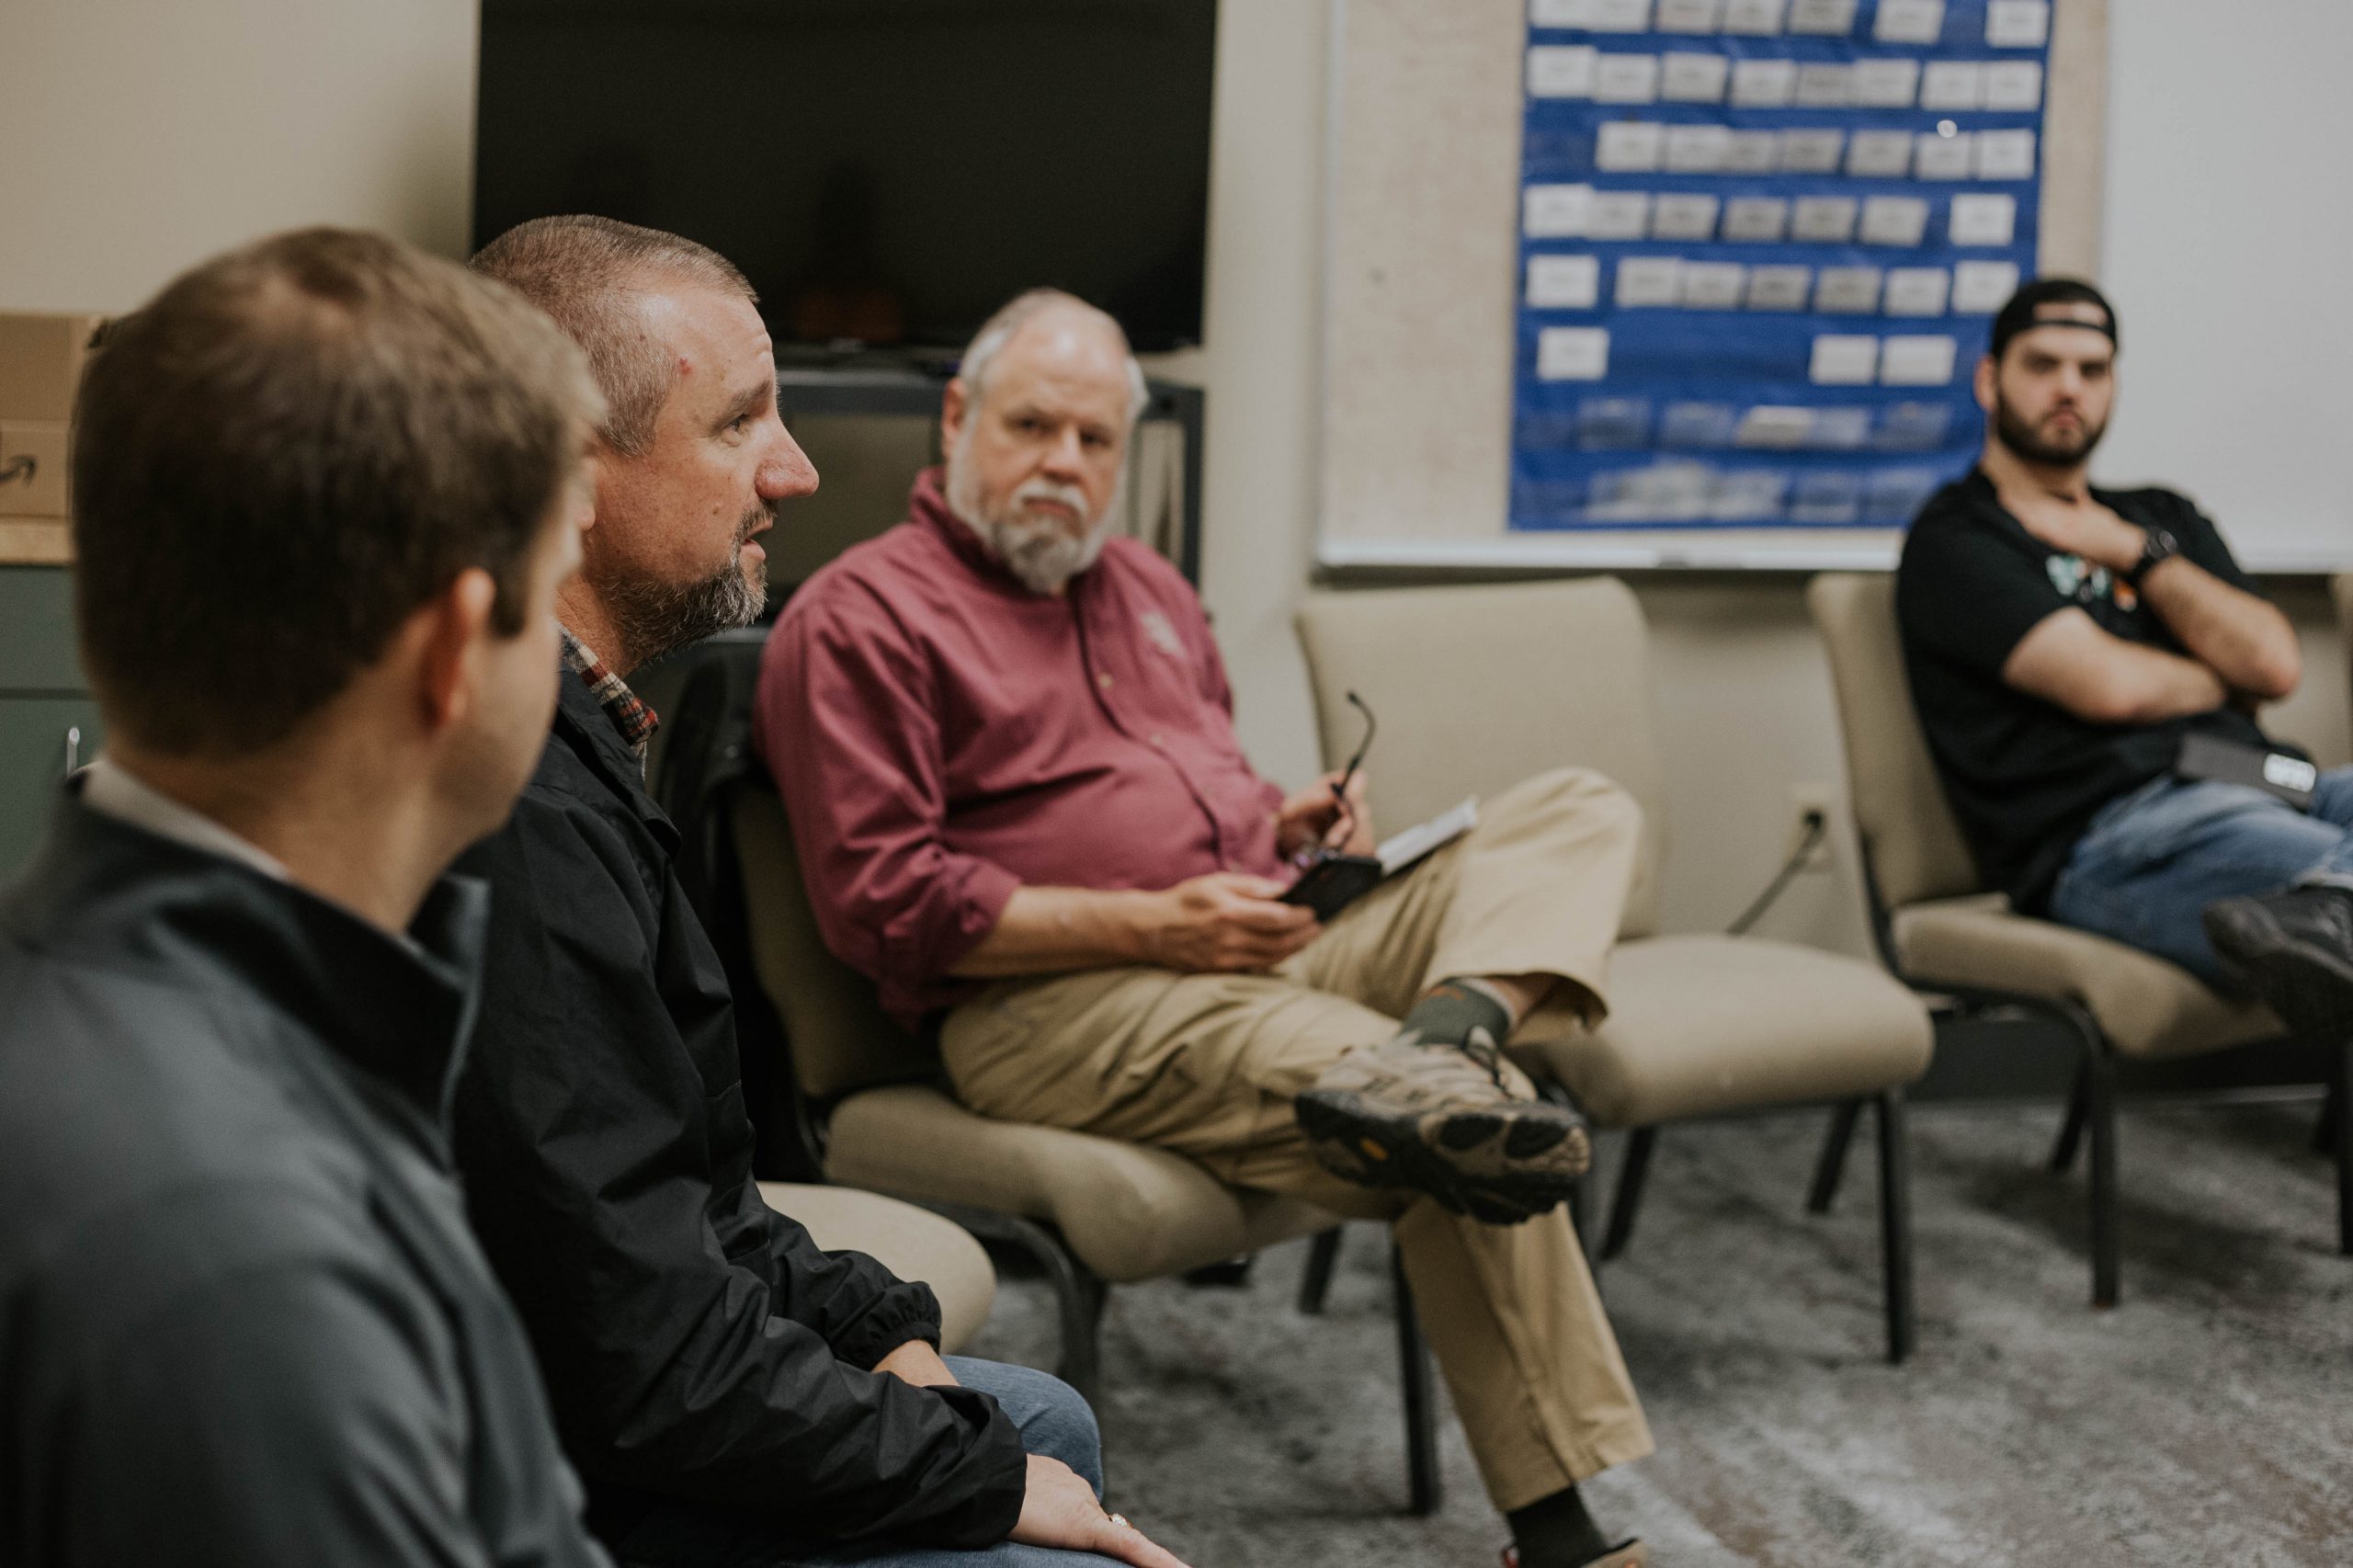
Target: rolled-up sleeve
<point x="849" y="727"/>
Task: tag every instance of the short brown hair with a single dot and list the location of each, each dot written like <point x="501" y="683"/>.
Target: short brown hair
<point x="589" y="273"/>
<point x="285" y="453"/>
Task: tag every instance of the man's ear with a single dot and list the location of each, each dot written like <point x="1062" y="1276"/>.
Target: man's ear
<point x="955" y="406"/>
<point x="449" y="635"/>
<point x="1988" y="368"/>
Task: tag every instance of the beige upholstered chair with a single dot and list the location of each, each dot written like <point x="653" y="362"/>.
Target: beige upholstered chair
<point x="1939" y="930"/>
<point x="1092" y="1211"/>
<point x="911" y="1243"/>
<point x="1479" y="687"/>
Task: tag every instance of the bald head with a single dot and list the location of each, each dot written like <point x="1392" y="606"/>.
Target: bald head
<point x="1036" y="427"/>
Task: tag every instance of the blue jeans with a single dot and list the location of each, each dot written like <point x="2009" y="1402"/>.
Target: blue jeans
<point x="2151" y="861"/>
<point x="1054" y="1421"/>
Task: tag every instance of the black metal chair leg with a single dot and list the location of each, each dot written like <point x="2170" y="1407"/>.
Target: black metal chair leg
<point x="2340" y="1126"/>
<point x="2099" y="1110"/>
<point x="1628" y="1196"/>
<point x="1832" y="1166"/>
<point x="1423" y="1489"/>
<point x="1322" y="1255"/>
<point x="1895" y="1220"/>
<point x="2070" y="1131"/>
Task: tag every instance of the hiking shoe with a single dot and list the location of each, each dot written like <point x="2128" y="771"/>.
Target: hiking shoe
<point x="2295" y="948"/>
<point x="1458" y="1123"/>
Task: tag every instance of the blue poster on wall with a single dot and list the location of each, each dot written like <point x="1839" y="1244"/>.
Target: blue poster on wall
<point x="1761" y="243"/>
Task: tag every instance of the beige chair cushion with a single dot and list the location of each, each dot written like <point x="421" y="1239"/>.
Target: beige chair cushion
<point x="1128" y="1211"/>
<point x="1700" y="1025"/>
<point x="911" y="1243"/>
<point x="1434" y="664"/>
<point x="1901" y="813"/>
<point x="2147" y="1007"/>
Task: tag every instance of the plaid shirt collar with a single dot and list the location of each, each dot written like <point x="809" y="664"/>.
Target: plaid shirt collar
<point x="629" y="713"/>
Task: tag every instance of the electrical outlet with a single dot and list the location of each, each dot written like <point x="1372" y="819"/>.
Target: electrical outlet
<point x="1806" y="801"/>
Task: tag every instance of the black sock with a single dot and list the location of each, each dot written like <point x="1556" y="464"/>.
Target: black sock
<point x="1556" y="1532"/>
<point x="1453" y="1010"/>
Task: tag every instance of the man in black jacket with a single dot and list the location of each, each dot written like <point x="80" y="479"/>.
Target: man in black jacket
<point x="323" y="491"/>
<point x="733" y="1393"/>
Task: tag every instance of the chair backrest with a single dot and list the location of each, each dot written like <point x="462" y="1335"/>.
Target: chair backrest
<point x="839" y="1036"/>
<point x="1479" y="687"/>
<point x="1914" y="848"/>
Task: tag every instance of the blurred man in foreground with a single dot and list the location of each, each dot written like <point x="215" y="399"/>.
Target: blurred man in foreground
<point x="1005" y="742"/>
<point x="2087" y="664"/>
<point x="732" y="1394"/>
<point x="323" y="496"/>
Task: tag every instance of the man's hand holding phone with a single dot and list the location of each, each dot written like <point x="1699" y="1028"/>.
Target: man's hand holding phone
<point x="1226" y="922"/>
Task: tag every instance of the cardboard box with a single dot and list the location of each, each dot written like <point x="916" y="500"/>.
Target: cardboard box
<point x="41" y="364"/>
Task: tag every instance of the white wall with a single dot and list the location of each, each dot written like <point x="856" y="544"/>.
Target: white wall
<point x="2229" y="253"/>
<point x="139" y="136"/>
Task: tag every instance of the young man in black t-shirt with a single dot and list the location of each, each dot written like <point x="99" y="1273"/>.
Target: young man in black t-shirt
<point x="2064" y="642"/>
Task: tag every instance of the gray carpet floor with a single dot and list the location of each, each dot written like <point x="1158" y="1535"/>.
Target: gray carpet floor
<point x="2209" y="1419"/>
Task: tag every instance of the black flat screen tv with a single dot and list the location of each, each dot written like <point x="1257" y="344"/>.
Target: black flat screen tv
<point x="886" y="171"/>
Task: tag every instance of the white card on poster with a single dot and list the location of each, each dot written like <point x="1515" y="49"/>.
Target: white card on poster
<point x="1940" y="157"/>
<point x="1823" y="220"/>
<point x="1683" y="216"/>
<point x="1780" y="288"/>
<point x="1763" y="83"/>
<point x="1713" y="285"/>
<point x="1827" y="18"/>
<point x="1879" y="154"/>
<point x="1555" y="211"/>
<point x="1754" y="18"/>
<point x="1752" y="152"/>
<point x="1630" y="147"/>
<point x="1775" y="427"/>
<point x="2005" y="155"/>
<point x="1894" y="219"/>
<point x="1690" y="78"/>
<point x="1909" y="21"/>
<point x="1563" y="282"/>
<point x="1950" y="84"/>
<point x="1697" y="148"/>
<point x="1626" y="79"/>
<point x="2018" y="24"/>
<point x="1917" y="361"/>
<point x="1648" y="283"/>
<point x="1978" y="219"/>
<point x="1755" y="219"/>
<point x="1824" y="86"/>
<point x="1572" y="353"/>
<point x="1842" y="360"/>
<point x="1812" y="151"/>
<point x="1883" y="84"/>
<point x="1562" y="71"/>
<point x="1980" y="287"/>
<point x="1847" y="290"/>
<point x="2014" y="87"/>
<point x="1689" y="16"/>
<point x="1618" y="215"/>
<point x="1916" y="290"/>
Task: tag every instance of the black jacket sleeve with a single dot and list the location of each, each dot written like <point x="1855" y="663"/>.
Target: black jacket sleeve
<point x="696" y="1347"/>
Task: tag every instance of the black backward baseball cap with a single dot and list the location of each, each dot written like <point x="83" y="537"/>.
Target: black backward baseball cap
<point x="2023" y="311"/>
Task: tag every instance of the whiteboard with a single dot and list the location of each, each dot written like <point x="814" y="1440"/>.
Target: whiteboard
<point x="2218" y="165"/>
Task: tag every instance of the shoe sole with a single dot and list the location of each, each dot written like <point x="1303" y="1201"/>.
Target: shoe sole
<point x="1363" y="1145"/>
<point x="2279" y="965"/>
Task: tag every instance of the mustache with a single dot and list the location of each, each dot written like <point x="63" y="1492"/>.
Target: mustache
<point x="759" y="516"/>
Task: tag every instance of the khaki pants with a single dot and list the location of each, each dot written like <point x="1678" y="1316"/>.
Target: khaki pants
<point x="1208" y="1064"/>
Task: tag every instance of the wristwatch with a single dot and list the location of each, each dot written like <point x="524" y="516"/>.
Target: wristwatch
<point x="2157" y="547"/>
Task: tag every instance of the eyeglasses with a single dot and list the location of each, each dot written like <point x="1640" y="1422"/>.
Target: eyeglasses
<point x="1371" y="726"/>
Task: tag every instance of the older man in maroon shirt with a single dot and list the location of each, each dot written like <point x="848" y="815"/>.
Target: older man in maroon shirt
<point x="1005" y="742"/>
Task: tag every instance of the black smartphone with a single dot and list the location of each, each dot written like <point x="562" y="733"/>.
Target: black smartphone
<point x="1332" y="881"/>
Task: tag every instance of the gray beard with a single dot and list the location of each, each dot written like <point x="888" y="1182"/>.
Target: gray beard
<point x="1040" y="553"/>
